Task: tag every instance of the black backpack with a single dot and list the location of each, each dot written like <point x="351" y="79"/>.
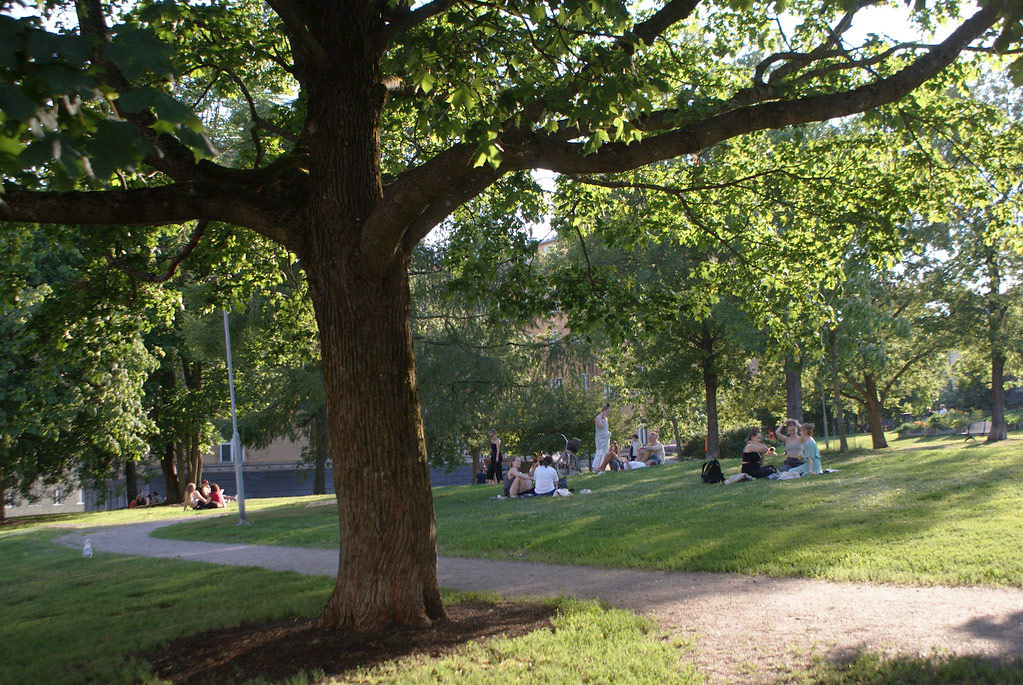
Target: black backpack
<point x="712" y="472"/>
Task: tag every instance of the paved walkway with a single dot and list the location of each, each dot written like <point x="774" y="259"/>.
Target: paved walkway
<point x="747" y="628"/>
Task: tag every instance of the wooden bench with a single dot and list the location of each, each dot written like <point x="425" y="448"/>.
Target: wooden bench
<point x="975" y="428"/>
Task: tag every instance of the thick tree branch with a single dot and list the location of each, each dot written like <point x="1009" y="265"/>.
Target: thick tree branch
<point x="157" y="206"/>
<point x="648" y="30"/>
<point x="172" y="268"/>
<point x="400" y="22"/>
<point x="294" y="21"/>
<point x="553" y="153"/>
<point x="173" y="158"/>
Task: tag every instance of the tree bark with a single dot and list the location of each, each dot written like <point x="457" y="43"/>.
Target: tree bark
<point x="678" y="441"/>
<point x="387" y="571"/>
<point x="475" y="464"/>
<point x="170" y="474"/>
<point x="996" y="313"/>
<point x="874" y="412"/>
<point x="131" y="481"/>
<point x="181" y="463"/>
<point x="387" y="562"/>
<point x="710" y="389"/>
<point x="836" y="385"/>
<point x="195" y="459"/>
<point x="999" y="428"/>
<point x="793" y="389"/>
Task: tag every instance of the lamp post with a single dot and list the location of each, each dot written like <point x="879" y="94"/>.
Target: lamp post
<point x="236" y="448"/>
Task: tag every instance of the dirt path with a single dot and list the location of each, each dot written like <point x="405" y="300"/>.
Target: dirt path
<point x="747" y="628"/>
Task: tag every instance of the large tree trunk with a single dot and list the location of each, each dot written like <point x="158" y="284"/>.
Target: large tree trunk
<point x="387" y="567"/>
<point x="999" y="429"/>
<point x="181" y="464"/>
<point x="131" y="480"/>
<point x="475" y="464"/>
<point x="793" y="388"/>
<point x="836" y="387"/>
<point x="387" y="571"/>
<point x="996" y="313"/>
<point x="195" y="459"/>
<point x="168" y="464"/>
<point x="710" y="389"/>
<point x="678" y="441"/>
<point x="874" y="412"/>
<point x="320" y="464"/>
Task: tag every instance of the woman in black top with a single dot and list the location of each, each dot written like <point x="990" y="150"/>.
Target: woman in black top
<point x="495" y="473"/>
<point x="753" y="456"/>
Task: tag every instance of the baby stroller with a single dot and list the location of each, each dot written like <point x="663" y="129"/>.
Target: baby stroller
<point x="567" y="462"/>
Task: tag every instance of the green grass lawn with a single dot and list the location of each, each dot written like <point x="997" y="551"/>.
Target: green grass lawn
<point x="927" y="516"/>
<point x="69" y="620"/>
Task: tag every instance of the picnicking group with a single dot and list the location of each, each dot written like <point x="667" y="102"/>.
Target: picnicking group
<point x="802" y="457"/>
<point x="206" y="496"/>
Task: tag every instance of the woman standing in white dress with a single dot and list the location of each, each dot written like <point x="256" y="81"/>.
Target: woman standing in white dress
<point x="602" y="437"/>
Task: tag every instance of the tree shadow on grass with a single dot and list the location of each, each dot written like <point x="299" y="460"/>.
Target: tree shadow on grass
<point x="285" y="649"/>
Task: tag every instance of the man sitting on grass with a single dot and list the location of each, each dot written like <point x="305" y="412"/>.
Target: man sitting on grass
<point x="652" y="454"/>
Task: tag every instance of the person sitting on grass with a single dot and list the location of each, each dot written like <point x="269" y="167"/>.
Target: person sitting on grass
<point x="753" y="456"/>
<point x="811" y="453"/>
<point x="653" y="452"/>
<point x="545" y="478"/>
<point x="611" y="459"/>
<point x="517" y="483"/>
<point x="154" y="499"/>
<point x="216" y="500"/>
<point x="793" y="444"/>
<point x="193" y="499"/>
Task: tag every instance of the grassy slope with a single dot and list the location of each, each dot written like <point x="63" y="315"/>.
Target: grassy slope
<point x="69" y="619"/>
<point x="924" y="516"/>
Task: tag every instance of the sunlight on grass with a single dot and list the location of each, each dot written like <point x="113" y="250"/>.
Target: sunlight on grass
<point x="941" y="515"/>
<point x="118" y="517"/>
<point x="587" y="644"/>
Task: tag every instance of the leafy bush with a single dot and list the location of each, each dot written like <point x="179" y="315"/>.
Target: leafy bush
<point x="732" y="441"/>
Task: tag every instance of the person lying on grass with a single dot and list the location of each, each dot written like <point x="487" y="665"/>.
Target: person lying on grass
<point x="753" y="456"/>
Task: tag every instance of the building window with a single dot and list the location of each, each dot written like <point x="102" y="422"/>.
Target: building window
<point x="557" y="382"/>
<point x="225" y="452"/>
<point x="585" y="378"/>
<point x="58" y="497"/>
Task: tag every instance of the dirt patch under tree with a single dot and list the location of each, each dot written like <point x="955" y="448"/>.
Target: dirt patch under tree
<point x="279" y="649"/>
